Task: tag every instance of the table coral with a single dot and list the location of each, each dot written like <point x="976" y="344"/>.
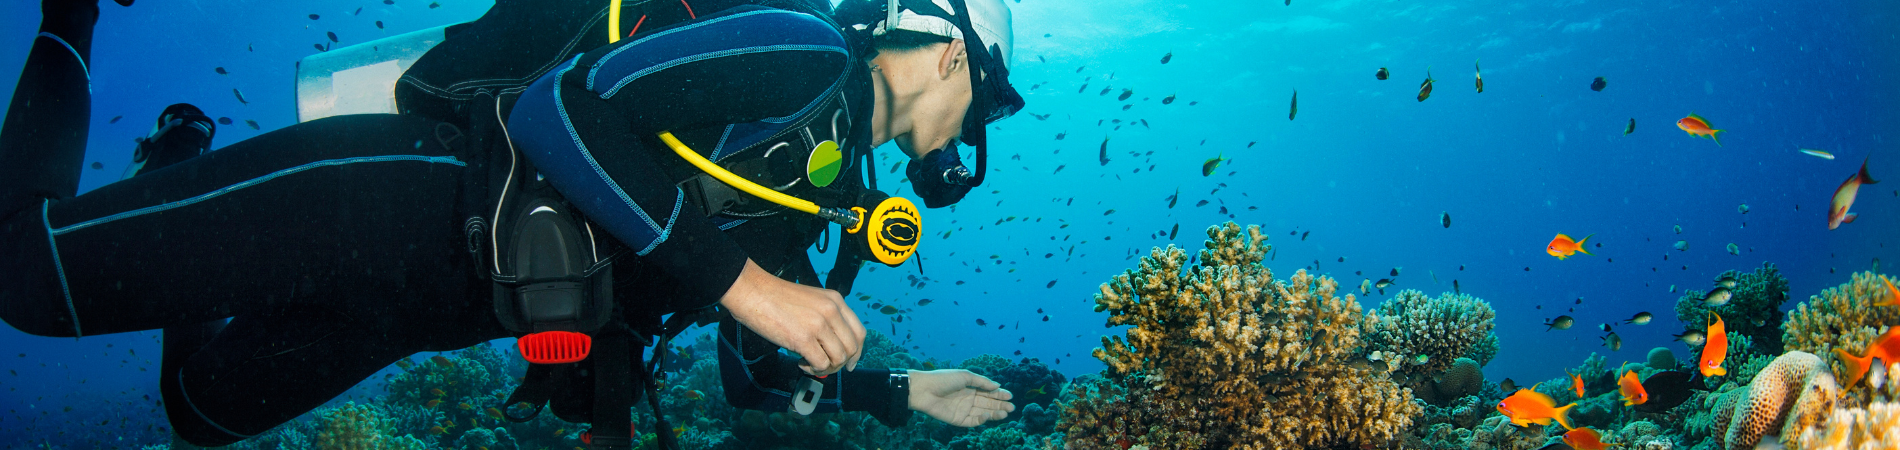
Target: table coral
<point x="1793" y="393"/>
<point x="1442" y="329"/>
<point x="1251" y="361"/>
<point x="1841" y="317"/>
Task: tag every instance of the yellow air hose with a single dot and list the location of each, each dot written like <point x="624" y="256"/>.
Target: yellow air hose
<point x="841" y="216"/>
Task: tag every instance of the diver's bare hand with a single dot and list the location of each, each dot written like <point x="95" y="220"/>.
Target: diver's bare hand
<point x="815" y="323"/>
<point x="959" y="397"/>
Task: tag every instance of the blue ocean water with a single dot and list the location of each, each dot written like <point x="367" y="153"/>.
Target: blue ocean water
<point x="1363" y="172"/>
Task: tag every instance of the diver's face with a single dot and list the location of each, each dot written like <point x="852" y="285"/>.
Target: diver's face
<point x="937" y="119"/>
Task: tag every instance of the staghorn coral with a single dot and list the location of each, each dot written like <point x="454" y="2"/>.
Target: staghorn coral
<point x="1222" y="355"/>
<point x="1841" y="317"/>
<point x="1442" y="329"/>
<point x="1792" y="393"/>
<point x="1754" y="310"/>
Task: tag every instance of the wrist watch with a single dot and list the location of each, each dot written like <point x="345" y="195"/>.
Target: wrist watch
<point x="900" y="390"/>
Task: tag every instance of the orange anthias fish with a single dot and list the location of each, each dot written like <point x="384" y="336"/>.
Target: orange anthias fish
<point x="1893" y="295"/>
<point x="1698" y="126"/>
<point x="1576" y="382"/>
<point x="1528" y="406"/>
<point x="1844" y="197"/>
<point x="1585" y="439"/>
<point x="1632" y="389"/>
<point x="1715" y="349"/>
<point x="1562" y="247"/>
<point x="1887" y="348"/>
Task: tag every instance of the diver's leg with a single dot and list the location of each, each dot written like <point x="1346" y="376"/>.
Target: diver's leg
<point x="43" y="140"/>
<point x="266" y="369"/>
<point x="339" y="210"/>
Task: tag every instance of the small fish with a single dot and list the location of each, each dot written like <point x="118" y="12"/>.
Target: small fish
<point x="1201" y="203"/>
<point x="1691" y="337"/>
<point x="1697" y="126"/>
<point x="465" y="406"/>
<point x="1632" y="389"/>
<point x="1480" y="73"/>
<point x="1844" y="197"/>
<point x="1641" y="318"/>
<point x="1734" y="250"/>
<point x="320" y="47"/>
<point x="980" y="323"/>
<point x="432" y="403"/>
<point x="1681" y="246"/>
<point x="221" y="71"/>
<point x="1168" y="100"/>
<point x="1559" y="323"/>
<point x="1601" y="326"/>
<point x="251" y="123"/>
<point x="438" y="430"/>
<point x="224" y="121"/>
<point x="1104" y="155"/>
<point x="1167" y="57"/>
<point x="1295" y="109"/>
<point x="437" y="392"/>
<point x="1052" y="283"/>
<point x="1382" y="284"/>
<point x="359" y="11"/>
<point x="1818" y="154"/>
<point x="97" y="165"/>
<point x="1365" y="287"/>
<point x="1576" y="383"/>
<point x="695" y="395"/>
<point x="1717" y="297"/>
<point x="379" y="24"/>
<point x="1742" y="208"/>
<point x="441" y="361"/>
<point x="1421" y="359"/>
<point x="115" y="119"/>
<point x="888" y="309"/>
<point x="1395" y="271"/>
<point x="240" y="96"/>
<point x="1207" y="167"/>
<point x="1678" y="229"/>
<point x="1631" y="128"/>
<point x="923" y="302"/>
<point x="332" y="35"/>
<point x="1886" y="348"/>
<point x="1598" y="84"/>
<point x="1111" y="211"/>
<point x="1562" y="247"/>
<point x="1444" y="218"/>
<point x="1614" y="342"/>
<point x="1381" y="74"/>
<point x="1174" y="198"/>
<point x="1528" y="406"/>
<point x="1454" y="287"/>
<point x="314" y="17"/>
<point x="1585" y="439"/>
<point x="1175" y="231"/>
<point x="1508" y="385"/>
<point x="1425" y="88"/>
<point x="434" y="5"/>
<point x="1715" y="350"/>
<point x="1668" y="389"/>
<point x="1125" y="94"/>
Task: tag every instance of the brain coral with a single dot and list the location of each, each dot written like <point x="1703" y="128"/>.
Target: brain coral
<point x="1842" y="316"/>
<point x="1442" y="329"/>
<point x="1256" y="362"/>
<point x="1754" y="310"/>
<point x="1793" y="393"/>
<point x="1661" y="358"/>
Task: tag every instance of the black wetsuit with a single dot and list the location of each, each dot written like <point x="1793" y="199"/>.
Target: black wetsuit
<point x="340" y="245"/>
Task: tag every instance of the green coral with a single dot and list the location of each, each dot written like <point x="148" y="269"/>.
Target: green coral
<point x="1441" y="330"/>
<point x="1754" y="310"/>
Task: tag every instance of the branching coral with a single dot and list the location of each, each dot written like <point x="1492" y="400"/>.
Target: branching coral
<point x="1842" y="317"/>
<point x="1250" y="361"/>
<point x="1441" y="329"/>
<point x="1753" y="310"/>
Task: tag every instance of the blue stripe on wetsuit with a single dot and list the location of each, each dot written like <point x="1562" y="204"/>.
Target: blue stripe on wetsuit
<point x="541" y="125"/>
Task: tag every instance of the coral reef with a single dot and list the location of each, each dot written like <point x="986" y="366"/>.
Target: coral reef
<point x="1462" y="379"/>
<point x="1661" y="358"/>
<point x="1793" y="393"/>
<point x="353" y="427"/>
<point x="1754" y="310"/>
<point x="1222" y="355"/>
<point x="1842" y="317"/>
<point x="1876" y="426"/>
<point x="1031" y="381"/>
<point x="1440" y="329"/>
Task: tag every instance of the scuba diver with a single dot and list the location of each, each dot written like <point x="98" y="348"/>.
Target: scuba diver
<point x="553" y="176"/>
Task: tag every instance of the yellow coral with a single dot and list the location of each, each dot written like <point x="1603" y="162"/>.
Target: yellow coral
<point x="1794" y="393"/>
<point x="1876" y="427"/>
<point x="1265" y="360"/>
<point x="1841" y="317"/>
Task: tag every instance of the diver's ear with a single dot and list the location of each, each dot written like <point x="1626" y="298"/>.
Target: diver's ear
<point x="953" y="58"/>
